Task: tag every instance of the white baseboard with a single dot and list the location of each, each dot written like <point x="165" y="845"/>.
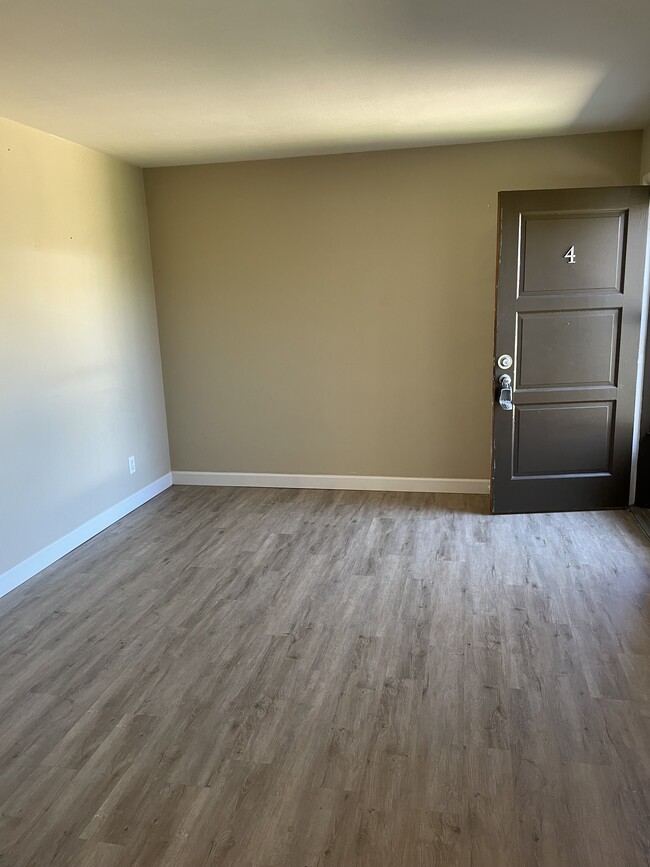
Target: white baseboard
<point x="336" y="483"/>
<point x="53" y="552"/>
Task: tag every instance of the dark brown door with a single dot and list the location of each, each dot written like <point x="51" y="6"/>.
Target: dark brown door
<point x="569" y="300"/>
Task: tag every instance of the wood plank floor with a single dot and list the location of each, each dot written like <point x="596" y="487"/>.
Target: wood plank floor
<point x="274" y="678"/>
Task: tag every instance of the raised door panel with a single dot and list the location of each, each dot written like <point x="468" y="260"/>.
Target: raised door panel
<point x="572" y="254"/>
<point x="558" y="349"/>
<point x="563" y="439"/>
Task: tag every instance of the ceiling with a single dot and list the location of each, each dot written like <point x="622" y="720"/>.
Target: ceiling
<point x="162" y="82"/>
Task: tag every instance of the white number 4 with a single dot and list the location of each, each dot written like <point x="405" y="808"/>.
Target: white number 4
<point x="570" y="255"/>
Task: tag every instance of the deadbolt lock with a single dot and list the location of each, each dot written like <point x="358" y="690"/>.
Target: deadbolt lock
<point x="505" y="362"/>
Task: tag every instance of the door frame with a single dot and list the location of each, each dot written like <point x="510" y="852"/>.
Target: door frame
<point x="642" y="406"/>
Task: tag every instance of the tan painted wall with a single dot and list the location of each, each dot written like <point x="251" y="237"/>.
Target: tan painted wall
<point x="335" y="314"/>
<point x="80" y="381"/>
<point x="645" y="153"/>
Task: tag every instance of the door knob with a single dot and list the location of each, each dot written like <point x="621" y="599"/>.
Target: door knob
<point x="505" y="392"/>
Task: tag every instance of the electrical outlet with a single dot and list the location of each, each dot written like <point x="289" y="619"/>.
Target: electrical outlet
<point x="132" y="464"/>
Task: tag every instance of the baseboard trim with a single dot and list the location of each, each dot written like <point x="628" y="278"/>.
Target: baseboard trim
<point x="335" y="483"/>
<point x="46" y="556"/>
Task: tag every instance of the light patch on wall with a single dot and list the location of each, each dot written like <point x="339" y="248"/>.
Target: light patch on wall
<point x="80" y="380"/>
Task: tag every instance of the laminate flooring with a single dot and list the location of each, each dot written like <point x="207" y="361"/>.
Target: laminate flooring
<point x="281" y="678"/>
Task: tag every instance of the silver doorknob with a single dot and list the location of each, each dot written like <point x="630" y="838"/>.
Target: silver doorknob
<point x="505" y="392"/>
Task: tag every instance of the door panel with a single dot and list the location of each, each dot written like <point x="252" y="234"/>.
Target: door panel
<point x="563" y="439"/>
<point x="589" y="339"/>
<point x="569" y="298"/>
<point x="597" y="240"/>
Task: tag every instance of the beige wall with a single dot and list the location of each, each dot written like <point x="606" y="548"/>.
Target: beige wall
<point x="645" y="154"/>
<point x="335" y="314"/>
<point x="80" y="382"/>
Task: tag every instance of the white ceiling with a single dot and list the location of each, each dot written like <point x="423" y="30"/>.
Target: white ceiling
<point x="163" y="82"/>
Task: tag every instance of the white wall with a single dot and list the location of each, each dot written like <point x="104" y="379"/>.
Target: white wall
<point x="316" y="313"/>
<point x="645" y="153"/>
<point x="80" y="379"/>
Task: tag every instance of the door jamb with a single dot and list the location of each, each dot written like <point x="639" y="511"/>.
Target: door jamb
<point x="641" y="384"/>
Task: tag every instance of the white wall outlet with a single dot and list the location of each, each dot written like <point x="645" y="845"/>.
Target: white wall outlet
<point x="132" y="464"/>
